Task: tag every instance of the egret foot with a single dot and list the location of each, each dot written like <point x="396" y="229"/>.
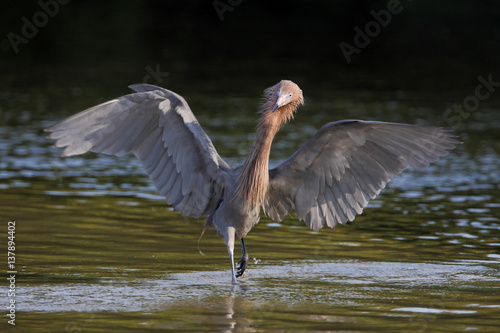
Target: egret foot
<point x="242" y="265"/>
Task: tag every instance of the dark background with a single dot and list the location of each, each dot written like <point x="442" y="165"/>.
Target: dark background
<point x="99" y="47"/>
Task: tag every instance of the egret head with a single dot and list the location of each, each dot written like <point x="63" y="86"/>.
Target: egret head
<point x="287" y="94"/>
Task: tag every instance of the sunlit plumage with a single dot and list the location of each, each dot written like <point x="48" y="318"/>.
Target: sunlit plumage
<point x="328" y="181"/>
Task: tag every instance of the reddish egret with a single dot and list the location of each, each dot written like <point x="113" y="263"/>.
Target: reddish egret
<point x="329" y="180"/>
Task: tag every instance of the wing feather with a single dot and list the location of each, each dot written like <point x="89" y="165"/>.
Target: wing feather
<point x="158" y="126"/>
<point x="345" y="164"/>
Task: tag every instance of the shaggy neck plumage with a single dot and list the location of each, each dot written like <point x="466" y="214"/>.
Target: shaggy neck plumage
<point x="253" y="181"/>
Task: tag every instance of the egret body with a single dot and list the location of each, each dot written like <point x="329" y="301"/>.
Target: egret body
<point x="328" y="181"/>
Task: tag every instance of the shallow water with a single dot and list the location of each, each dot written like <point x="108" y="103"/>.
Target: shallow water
<point x="98" y="250"/>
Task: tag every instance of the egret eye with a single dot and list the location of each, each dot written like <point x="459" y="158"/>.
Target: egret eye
<point x="289" y="95"/>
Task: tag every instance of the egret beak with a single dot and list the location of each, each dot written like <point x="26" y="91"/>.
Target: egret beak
<point x="282" y="100"/>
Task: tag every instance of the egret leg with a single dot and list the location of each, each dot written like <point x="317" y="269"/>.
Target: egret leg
<point x="242" y="263"/>
<point x="230" y="250"/>
<point x="233" y="275"/>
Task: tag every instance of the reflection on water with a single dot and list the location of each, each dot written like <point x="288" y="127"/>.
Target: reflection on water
<point x="289" y="283"/>
<point x="272" y="291"/>
<point x="99" y="250"/>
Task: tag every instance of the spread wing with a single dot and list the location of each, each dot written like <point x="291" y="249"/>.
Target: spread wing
<point x="158" y="126"/>
<point x="347" y="163"/>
